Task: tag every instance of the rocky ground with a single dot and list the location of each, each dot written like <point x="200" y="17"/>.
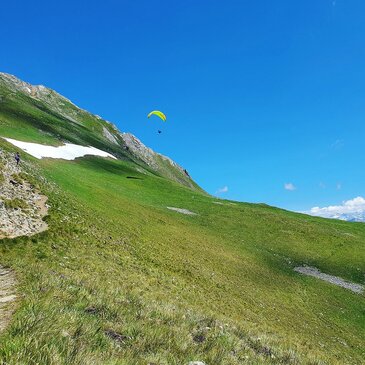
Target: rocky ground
<point x="7" y="296"/>
<point x="22" y="207"/>
<point x="181" y="210"/>
<point x="312" y="271"/>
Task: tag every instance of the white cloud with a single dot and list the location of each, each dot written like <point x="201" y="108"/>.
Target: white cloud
<point x="222" y="190"/>
<point x="289" y="186"/>
<point x="353" y="209"/>
<point x="338" y="144"/>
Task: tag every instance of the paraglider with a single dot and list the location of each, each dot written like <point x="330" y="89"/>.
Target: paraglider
<point x="159" y="114"/>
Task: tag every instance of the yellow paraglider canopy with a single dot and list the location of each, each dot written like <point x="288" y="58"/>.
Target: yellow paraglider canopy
<point x="159" y="114"/>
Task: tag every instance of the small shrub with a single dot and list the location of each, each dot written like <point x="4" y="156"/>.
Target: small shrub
<point x="22" y="177"/>
<point x="15" y="204"/>
<point x="17" y="178"/>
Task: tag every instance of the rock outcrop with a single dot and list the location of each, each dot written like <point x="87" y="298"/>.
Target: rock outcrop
<point x="156" y="161"/>
<point x="109" y="136"/>
<point x="22" y="207"/>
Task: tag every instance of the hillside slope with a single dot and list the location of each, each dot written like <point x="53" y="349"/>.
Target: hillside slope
<point x="40" y="114"/>
<point x="118" y="278"/>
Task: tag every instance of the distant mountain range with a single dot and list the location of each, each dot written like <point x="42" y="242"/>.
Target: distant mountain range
<point x="349" y="217"/>
<point x="353" y="217"/>
<point x="352" y="210"/>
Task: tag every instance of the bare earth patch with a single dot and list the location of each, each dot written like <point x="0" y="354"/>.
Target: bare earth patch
<point x="312" y="271"/>
<point x="182" y="211"/>
<point x="7" y="296"/>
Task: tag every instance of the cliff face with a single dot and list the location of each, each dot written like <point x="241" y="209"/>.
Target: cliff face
<point x="56" y="116"/>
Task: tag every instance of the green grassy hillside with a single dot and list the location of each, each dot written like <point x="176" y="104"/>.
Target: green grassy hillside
<point x="120" y="279"/>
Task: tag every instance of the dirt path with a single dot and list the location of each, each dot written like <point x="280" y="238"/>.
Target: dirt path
<point x="312" y="271"/>
<point x="7" y="296"/>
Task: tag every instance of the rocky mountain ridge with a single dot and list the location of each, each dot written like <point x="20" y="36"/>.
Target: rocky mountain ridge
<point x="35" y="91"/>
<point x="146" y="154"/>
<point x="41" y="93"/>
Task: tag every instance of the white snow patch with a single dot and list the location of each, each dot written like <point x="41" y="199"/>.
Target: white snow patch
<point x="180" y="210"/>
<point x="68" y="151"/>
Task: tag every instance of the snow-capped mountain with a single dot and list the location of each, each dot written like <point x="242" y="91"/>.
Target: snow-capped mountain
<point x="352" y="210"/>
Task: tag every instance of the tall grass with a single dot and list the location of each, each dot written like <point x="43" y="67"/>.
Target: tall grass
<point x="120" y="279"/>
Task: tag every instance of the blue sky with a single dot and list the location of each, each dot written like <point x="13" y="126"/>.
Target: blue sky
<point x="258" y="94"/>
